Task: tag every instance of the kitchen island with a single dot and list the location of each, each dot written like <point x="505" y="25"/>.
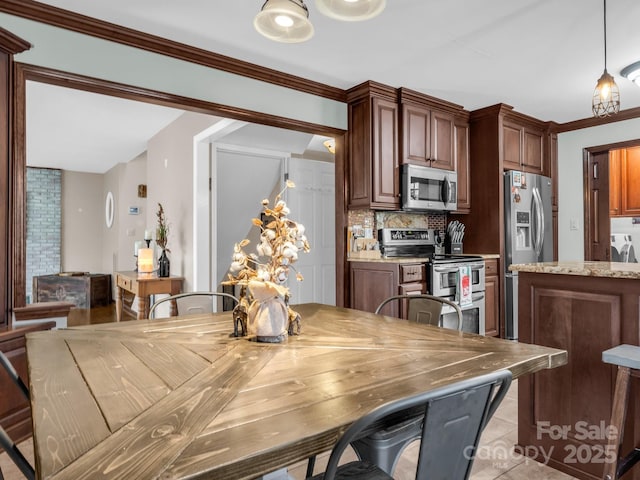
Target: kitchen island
<point x="584" y="308"/>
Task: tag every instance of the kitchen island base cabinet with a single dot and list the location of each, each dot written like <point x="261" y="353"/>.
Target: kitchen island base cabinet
<point x="564" y="413"/>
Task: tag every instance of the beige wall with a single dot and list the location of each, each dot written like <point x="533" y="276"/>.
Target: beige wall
<point x="170" y="182"/>
<point x="118" y="241"/>
<point x="82" y="221"/>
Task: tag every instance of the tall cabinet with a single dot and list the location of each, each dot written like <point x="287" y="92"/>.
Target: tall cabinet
<point x="501" y="139"/>
<point x="373" y="169"/>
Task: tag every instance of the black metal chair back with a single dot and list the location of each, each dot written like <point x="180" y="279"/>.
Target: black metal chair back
<point x="454" y="418"/>
<point x="192" y="302"/>
<point x="423" y="308"/>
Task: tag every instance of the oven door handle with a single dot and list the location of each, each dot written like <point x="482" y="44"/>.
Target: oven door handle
<point x="445" y="270"/>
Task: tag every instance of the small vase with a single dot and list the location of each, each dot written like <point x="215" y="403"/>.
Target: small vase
<point x="268" y="315"/>
<point x="163" y="265"/>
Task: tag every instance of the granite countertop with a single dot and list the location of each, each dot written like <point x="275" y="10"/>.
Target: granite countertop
<point x="585" y="269"/>
<point x="486" y="256"/>
<point x="390" y="260"/>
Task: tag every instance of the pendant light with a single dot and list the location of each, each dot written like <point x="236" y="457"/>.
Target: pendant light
<point x="606" y="97"/>
<point x="351" y="10"/>
<point x="284" y="21"/>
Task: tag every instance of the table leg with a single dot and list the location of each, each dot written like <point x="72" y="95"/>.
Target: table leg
<point x="174" y="308"/>
<point x="143" y="307"/>
<point x="119" y="300"/>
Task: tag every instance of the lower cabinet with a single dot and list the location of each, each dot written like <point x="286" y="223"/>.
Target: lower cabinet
<point x="492" y="298"/>
<point x="584" y="315"/>
<point x="372" y="282"/>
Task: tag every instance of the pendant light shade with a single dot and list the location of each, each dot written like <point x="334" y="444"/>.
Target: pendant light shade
<point x="606" y="97"/>
<point x="284" y="21"/>
<point x="351" y="10"/>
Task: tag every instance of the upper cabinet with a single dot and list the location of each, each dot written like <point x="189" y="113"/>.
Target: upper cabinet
<point x="427" y="130"/>
<point x="463" y="162"/>
<point x="373" y="173"/>
<point x="624" y="175"/>
<point x="523" y="145"/>
<point x="389" y="127"/>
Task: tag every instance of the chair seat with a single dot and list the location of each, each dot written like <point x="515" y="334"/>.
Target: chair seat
<point x="357" y="471"/>
<point x="623" y="355"/>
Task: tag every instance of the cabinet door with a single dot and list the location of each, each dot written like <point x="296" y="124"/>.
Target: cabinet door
<point x="615" y="183"/>
<point x="385" y="167"/>
<point x="630" y="181"/>
<point x="533" y="151"/>
<point x="371" y="283"/>
<point x="492" y="299"/>
<point x="511" y="146"/>
<point x="442" y="141"/>
<point x="463" y="167"/>
<point x="416" y="128"/>
<point x="491" y="307"/>
<point x="553" y="165"/>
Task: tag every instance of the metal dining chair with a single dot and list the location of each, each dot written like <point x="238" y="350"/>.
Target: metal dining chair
<point x="6" y="443"/>
<point x="454" y="418"/>
<point x="423" y="308"/>
<point x="192" y="302"/>
<point x="385" y="445"/>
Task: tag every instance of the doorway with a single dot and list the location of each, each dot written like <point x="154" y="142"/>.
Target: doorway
<point x="602" y="203"/>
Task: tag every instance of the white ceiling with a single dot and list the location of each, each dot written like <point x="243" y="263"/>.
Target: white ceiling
<point x="543" y="57"/>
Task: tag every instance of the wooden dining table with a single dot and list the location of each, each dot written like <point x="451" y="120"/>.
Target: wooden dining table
<point x="181" y="397"/>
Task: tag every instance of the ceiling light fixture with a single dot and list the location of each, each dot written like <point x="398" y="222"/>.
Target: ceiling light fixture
<point x="284" y="21"/>
<point x="632" y="72"/>
<point x="606" y="97"/>
<point x="351" y="10"/>
<point x="330" y="144"/>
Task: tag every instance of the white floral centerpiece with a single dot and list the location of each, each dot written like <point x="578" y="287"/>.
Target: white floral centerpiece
<point x="265" y="273"/>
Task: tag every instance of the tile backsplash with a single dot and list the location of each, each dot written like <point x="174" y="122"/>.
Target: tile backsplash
<point x="397" y="219"/>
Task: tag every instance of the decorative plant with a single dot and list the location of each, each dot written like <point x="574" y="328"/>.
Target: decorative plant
<point x="162" y="231"/>
<point x="281" y="239"/>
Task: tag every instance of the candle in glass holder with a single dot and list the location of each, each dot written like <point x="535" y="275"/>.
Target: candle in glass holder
<point x="145" y="260"/>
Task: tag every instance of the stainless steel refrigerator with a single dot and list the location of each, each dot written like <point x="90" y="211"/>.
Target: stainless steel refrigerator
<point x="528" y="233"/>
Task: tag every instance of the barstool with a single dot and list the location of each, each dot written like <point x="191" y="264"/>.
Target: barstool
<point x="627" y="357"/>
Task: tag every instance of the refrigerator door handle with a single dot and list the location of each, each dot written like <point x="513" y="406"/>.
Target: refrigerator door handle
<point x="534" y="224"/>
<point x="539" y="221"/>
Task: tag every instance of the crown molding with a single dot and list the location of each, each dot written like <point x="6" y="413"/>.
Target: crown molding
<point x="76" y="22"/>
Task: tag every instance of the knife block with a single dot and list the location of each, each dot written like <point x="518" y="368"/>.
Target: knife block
<point x="452" y="248"/>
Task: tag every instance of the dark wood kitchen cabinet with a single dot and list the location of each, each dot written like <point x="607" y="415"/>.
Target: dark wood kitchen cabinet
<point x="373" y="168"/>
<point x="497" y="133"/>
<point x="372" y="282"/>
<point x="492" y="327"/>
<point x="523" y="147"/>
<point x="463" y="163"/>
<point x="427" y="130"/>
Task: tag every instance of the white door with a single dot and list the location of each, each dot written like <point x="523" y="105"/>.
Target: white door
<point x="312" y="203"/>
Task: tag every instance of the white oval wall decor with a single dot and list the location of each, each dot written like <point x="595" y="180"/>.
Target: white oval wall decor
<point x="108" y="210"/>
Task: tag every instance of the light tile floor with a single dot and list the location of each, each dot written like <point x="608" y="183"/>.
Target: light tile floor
<point x="499" y="436"/>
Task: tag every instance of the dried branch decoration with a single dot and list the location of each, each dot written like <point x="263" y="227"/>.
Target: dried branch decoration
<point x="162" y="231"/>
<point x="280" y="242"/>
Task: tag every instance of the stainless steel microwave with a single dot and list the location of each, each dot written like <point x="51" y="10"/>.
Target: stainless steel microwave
<point x="428" y="189"/>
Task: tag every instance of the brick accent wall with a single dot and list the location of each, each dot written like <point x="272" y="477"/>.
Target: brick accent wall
<point x="44" y="224"/>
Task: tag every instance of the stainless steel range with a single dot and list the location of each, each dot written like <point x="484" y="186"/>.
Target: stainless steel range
<point x="442" y="273"/>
